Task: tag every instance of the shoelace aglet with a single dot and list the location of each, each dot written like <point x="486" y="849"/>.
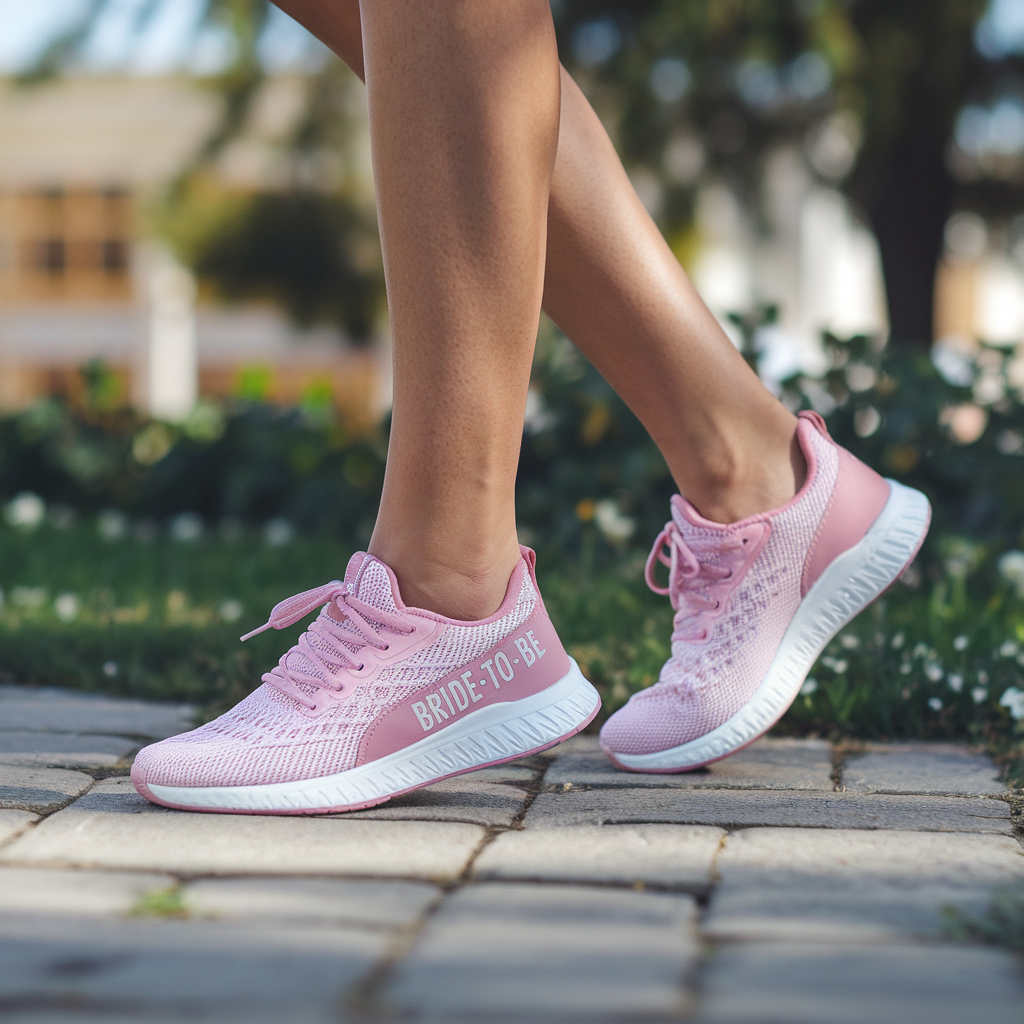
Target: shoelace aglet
<point x="249" y="636"/>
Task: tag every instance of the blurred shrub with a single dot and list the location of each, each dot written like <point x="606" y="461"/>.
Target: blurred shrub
<point x="297" y="248"/>
<point x="249" y="462"/>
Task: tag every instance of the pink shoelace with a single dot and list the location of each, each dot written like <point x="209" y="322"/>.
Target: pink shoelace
<point x="689" y="580"/>
<point x="357" y="630"/>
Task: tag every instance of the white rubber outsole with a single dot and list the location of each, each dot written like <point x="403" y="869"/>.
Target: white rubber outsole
<point x="844" y="589"/>
<point x="497" y="733"/>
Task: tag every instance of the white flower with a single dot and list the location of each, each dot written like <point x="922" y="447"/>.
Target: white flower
<point x="110" y="669"/>
<point x="112" y="525"/>
<point x="898" y="641"/>
<point x="838" y="665"/>
<point x="1011" y="568"/>
<point x="187" y="527"/>
<point x="982" y="677"/>
<point x="979" y="694"/>
<point x="956" y="681"/>
<point x="28" y="597"/>
<point x="611" y="522"/>
<point x="935" y="704"/>
<point x="861" y="377"/>
<point x="66" y="607"/>
<point x="920" y="650"/>
<point x="850" y="642"/>
<point x="278" y="532"/>
<point x="1008" y="649"/>
<point x="1014" y="700"/>
<point x="231" y="610"/>
<point x="26" y="510"/>
<point x="906" y="668"/>
<point x="809" y="687"/>
<point x="934" y="671"/>
<point x="960" y="643"/>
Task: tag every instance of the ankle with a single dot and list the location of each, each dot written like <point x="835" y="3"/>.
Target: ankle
<point x="464" y="588"/>
<point x="740" y="480"/>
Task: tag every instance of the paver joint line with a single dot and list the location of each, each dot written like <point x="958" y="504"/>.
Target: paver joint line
<point x="794" y="885"/>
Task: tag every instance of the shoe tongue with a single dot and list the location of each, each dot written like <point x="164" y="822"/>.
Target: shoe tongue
<point x="371" y="581"/>
<point x="691" y="524"/>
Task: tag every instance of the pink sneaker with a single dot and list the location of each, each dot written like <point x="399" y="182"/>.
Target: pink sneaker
<point x="377" y="699"/>
<point x="758" y="600"/>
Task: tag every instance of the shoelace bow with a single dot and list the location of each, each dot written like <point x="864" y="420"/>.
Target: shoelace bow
<point x="688" y="579"/>
<point x="356" y="629"/>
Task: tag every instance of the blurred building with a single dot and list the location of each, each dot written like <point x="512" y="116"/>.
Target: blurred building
<point x="81" y="277"/>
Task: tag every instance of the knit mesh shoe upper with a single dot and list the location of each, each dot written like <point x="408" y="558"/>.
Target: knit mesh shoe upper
<point x="735" y="589"/>
<point x="273" y="735"/>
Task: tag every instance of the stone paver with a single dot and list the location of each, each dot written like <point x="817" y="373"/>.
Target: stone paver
<point x="44" y="891"/>
<point x="554" y="889"/>
<point x="921" y="768"/>
<point x="767" y="764"/>
<point x="47" y="709"/>
<point x="392" y="904"/>
<point x="460" y="799"/>
<point x="129" y="970"/>
<point x="39" y="789"/>
<point x="744" y="808"/>
<point x="781" y="983"/>
<point x="542" y="951"/>
<point x="13" y="823"/>
<point x="115" y="828"/>
<point x="804" y="884"/>
<point x="64" y="749"/>
<point x="669" y="855"/>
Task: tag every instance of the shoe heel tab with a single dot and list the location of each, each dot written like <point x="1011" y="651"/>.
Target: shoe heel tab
<point x="530" y="558"/>
<point x="816" y="420"/>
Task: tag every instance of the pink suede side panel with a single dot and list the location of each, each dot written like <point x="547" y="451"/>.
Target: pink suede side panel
<point x="530" y="660"/>
<point x="857" y="499"/>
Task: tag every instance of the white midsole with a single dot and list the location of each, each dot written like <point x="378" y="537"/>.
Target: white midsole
<point x="494" y="733"/>
<point x="848" y="585"/>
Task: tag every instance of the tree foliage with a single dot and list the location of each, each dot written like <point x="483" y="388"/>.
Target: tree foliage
<point x="769" y="72"/>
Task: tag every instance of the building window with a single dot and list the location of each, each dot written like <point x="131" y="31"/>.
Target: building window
<point x="115" y="255"/>
<point x="52" y="256"/>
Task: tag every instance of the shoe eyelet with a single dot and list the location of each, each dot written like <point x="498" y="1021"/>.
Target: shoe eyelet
<point x="361" y="667"/>
<point x="728" y="575"/>
<point x="387" y="647"/>
<point x="718" y="604"/>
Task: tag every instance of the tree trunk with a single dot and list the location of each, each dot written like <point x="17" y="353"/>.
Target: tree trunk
<point x="911" y="203"/>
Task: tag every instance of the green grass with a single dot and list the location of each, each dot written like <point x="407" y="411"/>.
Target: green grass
<point x="162" y="903"/>
<point x="1001" y="925"/>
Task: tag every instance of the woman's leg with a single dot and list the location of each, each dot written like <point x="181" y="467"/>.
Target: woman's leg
<point x="617" y="291"/>
<point x="464" y="102"/>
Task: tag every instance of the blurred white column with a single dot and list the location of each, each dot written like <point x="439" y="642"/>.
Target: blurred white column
<point x="999" y="303"/>
<point x="841" y="287"/>
<point x="172" y="384"/>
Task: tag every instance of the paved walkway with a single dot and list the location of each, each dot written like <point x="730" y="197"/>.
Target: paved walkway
<point x="791" y="883"/>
